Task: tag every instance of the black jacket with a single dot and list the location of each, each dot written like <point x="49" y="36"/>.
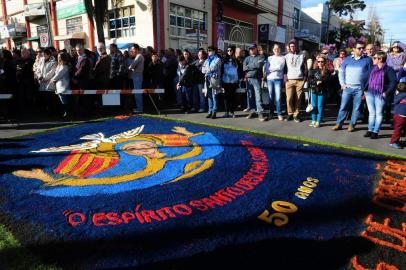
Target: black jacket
<point x="155" y="73"/>
<point x="315" y="76"/>
<point x="187" y="78"/>
<point x="199" y="76"/>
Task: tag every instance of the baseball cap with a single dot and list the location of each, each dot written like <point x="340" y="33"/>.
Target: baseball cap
<point x="252" y="46"/>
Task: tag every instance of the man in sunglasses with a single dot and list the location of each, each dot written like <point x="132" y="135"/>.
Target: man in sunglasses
<point x="353" y="76"/>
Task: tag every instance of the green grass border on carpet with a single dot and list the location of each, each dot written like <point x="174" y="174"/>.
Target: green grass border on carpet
<point x="14" y="256"/>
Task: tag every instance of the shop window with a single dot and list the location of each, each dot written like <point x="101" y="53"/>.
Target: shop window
<point x="122" y="22"/>
<point x="296" y="14"/>
<point x="238" y="32"/>
<point x="74" y="25"/>
<point x="172" y="20"/>
<point x="183" y="21"/>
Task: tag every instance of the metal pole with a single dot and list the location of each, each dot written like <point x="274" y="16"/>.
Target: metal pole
<point x="50" y="38"/>
<point x="328" y="21"/>
<point x="198" y="37"/>
<point x="158" y="26"/>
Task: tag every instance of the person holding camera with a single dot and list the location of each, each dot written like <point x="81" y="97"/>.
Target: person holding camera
<point x="319" y="82"/>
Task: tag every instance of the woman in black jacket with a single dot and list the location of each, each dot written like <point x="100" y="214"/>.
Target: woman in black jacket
<point x="320" y="79"/>
<point x="185" y="83"/>
<point x="230" y="79"/>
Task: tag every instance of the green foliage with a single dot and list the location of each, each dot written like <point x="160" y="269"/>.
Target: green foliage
<point x="14" y="256"/>
<point x="346" y="7"/>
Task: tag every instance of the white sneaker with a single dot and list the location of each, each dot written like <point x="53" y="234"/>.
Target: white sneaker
<point x="246" y="110"/>
<point x="280" y="117"/>
<point x="316" y="124"/>
<point x="312" y="124"/>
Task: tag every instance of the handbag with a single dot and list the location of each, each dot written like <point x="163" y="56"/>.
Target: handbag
<point x="51" y="87"/>
<point x="309" y="107"/>
<point x="215" y="83"/>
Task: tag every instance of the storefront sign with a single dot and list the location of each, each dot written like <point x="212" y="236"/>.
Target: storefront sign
<point x="280" y="35"/>
<point x="13" y="30"/>
<point x="271" y="32"/>
<point x="4" y="32"/>
<point x="36" y="9"/>
<point x="220" y="36"/>
<point x="263" y="32"/>
<point x="69" y="8"/>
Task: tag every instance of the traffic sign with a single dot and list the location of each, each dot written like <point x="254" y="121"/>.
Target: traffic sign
<point x="44" y="40"/>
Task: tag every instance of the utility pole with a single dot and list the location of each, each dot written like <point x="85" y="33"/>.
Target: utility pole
<point x="5" y="22"/>
<point x="50" y="38"/>
<point x="328" y="21"/>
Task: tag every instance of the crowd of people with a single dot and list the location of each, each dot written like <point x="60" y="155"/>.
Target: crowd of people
<point x="352" y="78"/>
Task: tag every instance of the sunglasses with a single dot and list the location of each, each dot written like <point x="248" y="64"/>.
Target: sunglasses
<point x="360" y="48"/>
<point x="321" y="62"/>
<point x="375" y="57"/>
<point x="229" y="50"/>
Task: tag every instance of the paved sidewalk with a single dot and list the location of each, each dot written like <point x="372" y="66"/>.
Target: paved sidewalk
<point x="324" y="133"/>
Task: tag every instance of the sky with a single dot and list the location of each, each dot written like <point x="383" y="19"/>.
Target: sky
<point x="392" y="15"/>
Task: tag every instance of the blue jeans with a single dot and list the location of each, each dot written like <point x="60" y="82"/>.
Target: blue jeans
<point x="274" y="89"/>
<point x="137" y="84"/>
<point x="254" y="95"/>
<point x="318" y="106"/>
<point x="375" y="107"/>
<point x="200" y="102"/>
<point x="186" y="97"/>
<point x="212" y="100"/>
<point x="178" y="94"/>
<point x="354" y="93"/>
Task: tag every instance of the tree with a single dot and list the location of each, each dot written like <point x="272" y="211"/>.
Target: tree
<point x="374" y="30"/>
<point x="342" y="8"/>
<point x="97" y="12"/>
<point x="345" y="7"/>
<point x="351" y="29"/>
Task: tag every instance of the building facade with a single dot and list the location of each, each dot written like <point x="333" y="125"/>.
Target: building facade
<point x="178" y="24"/>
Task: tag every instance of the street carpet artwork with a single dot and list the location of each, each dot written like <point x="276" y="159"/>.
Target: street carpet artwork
<point x="131" y="192"/>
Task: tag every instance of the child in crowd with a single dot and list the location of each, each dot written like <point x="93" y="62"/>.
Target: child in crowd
<point x="399" y="117"/>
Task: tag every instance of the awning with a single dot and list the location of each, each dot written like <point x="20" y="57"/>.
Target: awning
<point x="78" y="35"/>
<point x="32" y="39"/>
<point x="122" y="46"/>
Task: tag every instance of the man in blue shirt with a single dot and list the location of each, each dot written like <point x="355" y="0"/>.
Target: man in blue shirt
<point x="353" y="76"/>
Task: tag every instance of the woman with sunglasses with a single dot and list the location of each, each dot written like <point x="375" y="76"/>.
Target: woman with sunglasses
<point x="319" y="83"/>
<point x="230" y="81"/>
<point x="381" y="84"/>
<point x="396" y="57"/>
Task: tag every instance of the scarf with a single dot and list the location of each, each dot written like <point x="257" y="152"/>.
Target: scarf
<point x="211" y="59"/>
<point x="376" y="80"/>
